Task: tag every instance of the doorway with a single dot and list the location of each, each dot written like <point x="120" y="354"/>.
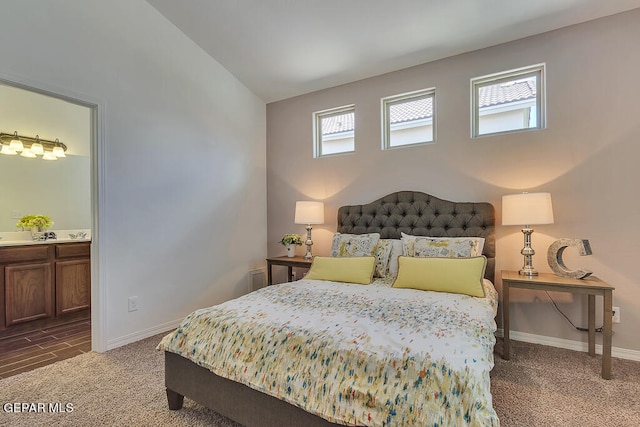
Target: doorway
<point x="65" y="190"/>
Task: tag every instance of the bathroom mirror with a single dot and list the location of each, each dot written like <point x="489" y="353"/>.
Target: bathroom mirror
<point x="58" y="188"/>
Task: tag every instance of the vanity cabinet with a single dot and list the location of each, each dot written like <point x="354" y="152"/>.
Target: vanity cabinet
<point x="28" y="286"/>
<point x="73" y="278"/>
<point x="43" y="281"/>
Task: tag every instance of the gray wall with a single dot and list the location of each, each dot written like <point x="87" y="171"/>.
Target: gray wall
<point x="586" y="158"/>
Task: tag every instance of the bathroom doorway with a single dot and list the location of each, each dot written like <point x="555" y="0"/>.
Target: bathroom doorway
<point x="64" y="190"/>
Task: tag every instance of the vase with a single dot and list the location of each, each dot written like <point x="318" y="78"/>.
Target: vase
<point x="291" y="251"/>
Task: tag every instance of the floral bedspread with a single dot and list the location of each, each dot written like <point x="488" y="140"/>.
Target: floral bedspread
<point x="368" y="355"/>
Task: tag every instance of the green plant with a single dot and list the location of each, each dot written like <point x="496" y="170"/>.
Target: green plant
<point x="30" y="221"/>
<point x="291" y="239"/>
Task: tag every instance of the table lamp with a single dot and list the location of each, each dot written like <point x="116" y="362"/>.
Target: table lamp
<point x="527" y="209"/>
<point x="309" y="213"/>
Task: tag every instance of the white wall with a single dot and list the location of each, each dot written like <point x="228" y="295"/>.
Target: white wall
<point x="586" y="158"/>
<point x="181" y="227"/>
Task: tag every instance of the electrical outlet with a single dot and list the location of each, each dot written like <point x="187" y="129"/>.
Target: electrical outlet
<point x="17" y="213"/>
<point x="616" y="314"/>
<point x="133" y="303"/>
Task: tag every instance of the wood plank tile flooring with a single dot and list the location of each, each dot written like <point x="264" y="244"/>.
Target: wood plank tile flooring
<point x="31" y="350"/>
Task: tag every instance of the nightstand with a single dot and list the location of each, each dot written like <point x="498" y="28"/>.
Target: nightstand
<point x="590" y="286"/>
<point x="289" y="262"/>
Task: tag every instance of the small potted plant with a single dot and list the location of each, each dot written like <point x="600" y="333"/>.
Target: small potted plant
<point x="290" y="241"/>
<point x="36" y="223"/>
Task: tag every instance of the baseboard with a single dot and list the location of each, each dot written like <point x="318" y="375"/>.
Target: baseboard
<point x="618" y="352"/>
<point x="140" y="335"/>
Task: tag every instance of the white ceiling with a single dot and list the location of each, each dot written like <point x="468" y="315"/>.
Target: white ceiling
<point x="284" y="48"/>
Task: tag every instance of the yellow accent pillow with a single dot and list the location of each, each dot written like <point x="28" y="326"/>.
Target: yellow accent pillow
<point x="342" y="269"/>
<point x="454" y="275"/>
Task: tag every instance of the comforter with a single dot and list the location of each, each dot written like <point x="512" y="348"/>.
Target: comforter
<point x="368" y="355"/>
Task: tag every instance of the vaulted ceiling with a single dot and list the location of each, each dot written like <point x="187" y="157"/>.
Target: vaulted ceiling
<point x="284" y="48"/>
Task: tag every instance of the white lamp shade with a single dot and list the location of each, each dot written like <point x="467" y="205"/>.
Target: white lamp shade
<point x="527" y="209"/>
<point x="58" y="152"/>
<point x="16" y="145"/>
<point x="309" y="213"/>
<point x="37" y="148"/>
<point x="28" y="153"/>
<point x="48" y="155"/>
<point x="8" y="150"/>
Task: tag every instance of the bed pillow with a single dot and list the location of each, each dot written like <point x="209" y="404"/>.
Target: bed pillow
<point x="349" y="245"/>
<point x="396" y="251"/>
<point x="382" y="252"/>
<point x="345" y="269"/>
<point x="454" y="275"/>
<point x="452" y="247"/>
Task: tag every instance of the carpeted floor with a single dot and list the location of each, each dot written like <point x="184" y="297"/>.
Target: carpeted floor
<point x="539" y="386"/>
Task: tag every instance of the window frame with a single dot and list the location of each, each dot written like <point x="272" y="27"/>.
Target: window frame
<point x="317" y="129"/>
<point x="538" y="70"/>
<point x="389" y="101"/>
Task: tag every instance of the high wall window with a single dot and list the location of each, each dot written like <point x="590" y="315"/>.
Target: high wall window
<point x="408" y="119"/>
<point x="510" y="101"/>
<point x="333" y="131"/>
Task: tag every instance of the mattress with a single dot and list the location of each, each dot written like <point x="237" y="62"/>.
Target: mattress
<point x="369" y="355"/>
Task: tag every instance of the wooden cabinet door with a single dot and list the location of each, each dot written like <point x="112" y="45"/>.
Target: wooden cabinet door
<point x="73" y="285"/>
<point x="28" y="292"/>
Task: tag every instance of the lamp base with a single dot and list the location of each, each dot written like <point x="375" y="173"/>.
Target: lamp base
<point x="528" y="252"/>
<point x="309" y="243"/>
<point x="528" y="272"/>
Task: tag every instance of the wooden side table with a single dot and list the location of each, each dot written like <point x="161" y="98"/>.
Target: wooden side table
<point x="590" y="286"/>
<point x="296" y="261"/>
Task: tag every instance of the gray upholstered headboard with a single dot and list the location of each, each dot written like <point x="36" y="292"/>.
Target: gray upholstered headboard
<point x="421" y="214"/>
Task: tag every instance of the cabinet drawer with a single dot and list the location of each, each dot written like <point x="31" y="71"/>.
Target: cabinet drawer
<point x="23" y="253"/>
<point x="73" y="250"/>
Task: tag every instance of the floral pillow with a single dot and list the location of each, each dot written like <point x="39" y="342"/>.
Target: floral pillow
<point x="446" y="247"/>
<point x="396" y="251"/>
<point x="347" y="245"/>
<point x="382" y="252"/>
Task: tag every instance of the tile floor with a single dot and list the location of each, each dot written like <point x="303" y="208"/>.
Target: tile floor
<point x="31" y="350"/>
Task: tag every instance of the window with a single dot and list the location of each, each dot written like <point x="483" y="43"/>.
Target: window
<point x="333" y="131"/>
<point x="408" y="119"/>
<point x="511" y="101"/>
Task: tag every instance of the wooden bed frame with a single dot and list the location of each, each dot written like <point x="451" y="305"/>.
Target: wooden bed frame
<point x="410" y="212"/>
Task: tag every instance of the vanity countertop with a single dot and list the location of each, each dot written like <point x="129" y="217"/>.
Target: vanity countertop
<point x="22" y="238"/>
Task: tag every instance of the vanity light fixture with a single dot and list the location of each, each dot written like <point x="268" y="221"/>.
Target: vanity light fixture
<point x="31" y="147"/>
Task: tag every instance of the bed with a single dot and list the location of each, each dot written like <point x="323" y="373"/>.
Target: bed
<point x="324" y="352"/>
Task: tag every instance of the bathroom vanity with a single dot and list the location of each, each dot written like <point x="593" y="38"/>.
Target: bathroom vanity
<point x="44" y="282"/>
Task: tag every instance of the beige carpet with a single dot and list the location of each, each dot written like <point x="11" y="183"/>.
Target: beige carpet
<point x="540" y="386"/>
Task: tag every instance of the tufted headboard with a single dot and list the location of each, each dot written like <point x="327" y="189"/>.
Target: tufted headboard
<point x="422" y="214"/>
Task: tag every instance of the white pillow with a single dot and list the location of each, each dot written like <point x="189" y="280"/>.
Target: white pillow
<point x="396" y="251"/>
<point x="450" y="247"/>
<point x="347" y="245"/>
<point x="382" y="252"/>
